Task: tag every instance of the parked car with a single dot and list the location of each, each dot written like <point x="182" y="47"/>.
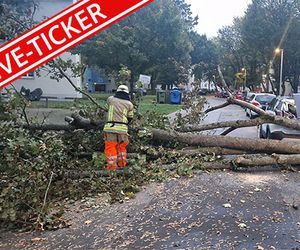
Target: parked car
<point x="203" y="92"/>
<point x="248" y="95"/>
<point x="239" y="95"/>
<point x="218" y="94"/>
<point x="261" y="100"/>
<point x="224" y="94"/>
<point x="285" y="107"/>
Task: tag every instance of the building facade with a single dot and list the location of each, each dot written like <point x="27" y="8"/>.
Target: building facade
<point x="61" y="89"/>
<point x="95" y="80"/>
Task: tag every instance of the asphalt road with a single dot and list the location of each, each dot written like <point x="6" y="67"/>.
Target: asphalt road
<point x="229" y="113"/>
<point x="219" y="210"/>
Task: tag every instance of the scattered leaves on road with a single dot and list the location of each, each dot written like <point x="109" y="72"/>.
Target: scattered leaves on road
<point x="227" y="205"/>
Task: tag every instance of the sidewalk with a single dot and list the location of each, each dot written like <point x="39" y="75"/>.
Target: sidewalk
<point x="48" y="115"/>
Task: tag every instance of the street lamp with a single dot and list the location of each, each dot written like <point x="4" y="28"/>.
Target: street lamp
<point x="277" y="52"/>
<point x="245" y="82"/>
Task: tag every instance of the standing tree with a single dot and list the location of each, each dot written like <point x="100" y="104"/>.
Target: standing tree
<point x="204" y="58"/>
<point x="16" y="16"/>
<point x="152" y="41"/>
<point x="251" y="40"/>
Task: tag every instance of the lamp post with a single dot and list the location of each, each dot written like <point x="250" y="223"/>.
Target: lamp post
<point x="280" y="51"/>
<point x="245" y="82"/>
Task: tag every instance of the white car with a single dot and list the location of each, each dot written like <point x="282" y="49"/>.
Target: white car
<point x="260" y="100"/>
<point x="285" y="107"/>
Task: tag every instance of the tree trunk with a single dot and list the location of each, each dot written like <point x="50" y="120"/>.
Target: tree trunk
<point x="231" y="124"/>
<point x="253" y="161"/>
<point x="274" y="159"/>
<point x="251" y="145"/>
<point x="210" y="151"/>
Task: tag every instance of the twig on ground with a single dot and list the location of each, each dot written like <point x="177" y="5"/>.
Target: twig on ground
<point x="45" y="199"/>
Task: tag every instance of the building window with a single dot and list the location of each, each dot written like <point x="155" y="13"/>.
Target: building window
<point x="29" y="75"/>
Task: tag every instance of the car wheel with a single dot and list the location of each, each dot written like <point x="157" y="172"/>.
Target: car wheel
<point x="261" y="136"/>
<point x="268" y="134"/>
<point x="250" y="115"/>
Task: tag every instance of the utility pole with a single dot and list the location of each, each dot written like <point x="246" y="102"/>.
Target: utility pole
<point x="280" y="51"/>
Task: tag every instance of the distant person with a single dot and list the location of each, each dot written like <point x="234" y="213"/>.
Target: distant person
<point x="120" y="114"/>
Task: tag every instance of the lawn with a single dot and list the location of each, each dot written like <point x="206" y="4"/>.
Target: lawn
<point x="148" y="103"/>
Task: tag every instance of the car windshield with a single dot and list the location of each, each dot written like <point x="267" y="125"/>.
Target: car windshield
<point x="252" y="97"/>
<point x="264" y="98"/>
<point x="272" y="104"/>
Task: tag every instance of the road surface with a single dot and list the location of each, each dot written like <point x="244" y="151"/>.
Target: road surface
<point x="229" y="113"/>
<point x="219" y="210"/>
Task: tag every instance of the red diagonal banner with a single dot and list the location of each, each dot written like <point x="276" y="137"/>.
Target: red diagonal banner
<point x="59" y="34"/>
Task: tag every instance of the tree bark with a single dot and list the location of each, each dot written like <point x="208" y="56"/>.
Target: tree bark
<point x="223" y="105"/>
<point x="253" y="161"/>
<point x="229" y="124"/>
<point x="251" y="145"/>
<point x="274" y="159"/>
<point x="210" y="151"/>
<point x="248" y="105"/>
<point x="223" y="82"/>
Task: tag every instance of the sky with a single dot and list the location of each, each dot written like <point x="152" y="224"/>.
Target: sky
<point x="214" y="14"/>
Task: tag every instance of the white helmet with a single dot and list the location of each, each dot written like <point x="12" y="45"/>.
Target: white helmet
<point x="123" y="88"/>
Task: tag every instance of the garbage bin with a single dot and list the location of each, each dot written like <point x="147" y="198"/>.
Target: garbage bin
<point x="161" y="97"/>
<point x="175" y="96"/>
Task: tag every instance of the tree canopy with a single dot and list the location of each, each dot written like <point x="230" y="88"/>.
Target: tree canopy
<point x="16" y="16"/>
<point x="153" y="41"/>
<point x="251" y="41"/>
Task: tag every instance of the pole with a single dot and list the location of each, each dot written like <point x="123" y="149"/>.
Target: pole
<point x="281" y="71"/>
<point x="245" y="79"/>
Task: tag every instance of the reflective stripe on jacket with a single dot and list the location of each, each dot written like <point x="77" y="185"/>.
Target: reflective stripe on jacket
<point x="119" y="111"/>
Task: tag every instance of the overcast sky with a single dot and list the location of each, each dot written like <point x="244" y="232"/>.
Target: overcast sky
<point x="214" y="14"/>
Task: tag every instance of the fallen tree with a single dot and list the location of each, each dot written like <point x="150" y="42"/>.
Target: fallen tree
<point x="274" y="159"/>
<point x="254" y="161"/>
<point x="231" y="124"/>
<point x="72" y="165"/>
<point x="74" y="122"/>
<point x="289" y="123"/>
<point x="241" y="144"/>
<point x="252" y="145"/>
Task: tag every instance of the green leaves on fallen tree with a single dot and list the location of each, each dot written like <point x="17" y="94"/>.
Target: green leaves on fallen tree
<point x="27" y="162"/>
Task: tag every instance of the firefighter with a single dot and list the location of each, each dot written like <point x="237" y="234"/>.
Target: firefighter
<point x="120" y="114"/>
